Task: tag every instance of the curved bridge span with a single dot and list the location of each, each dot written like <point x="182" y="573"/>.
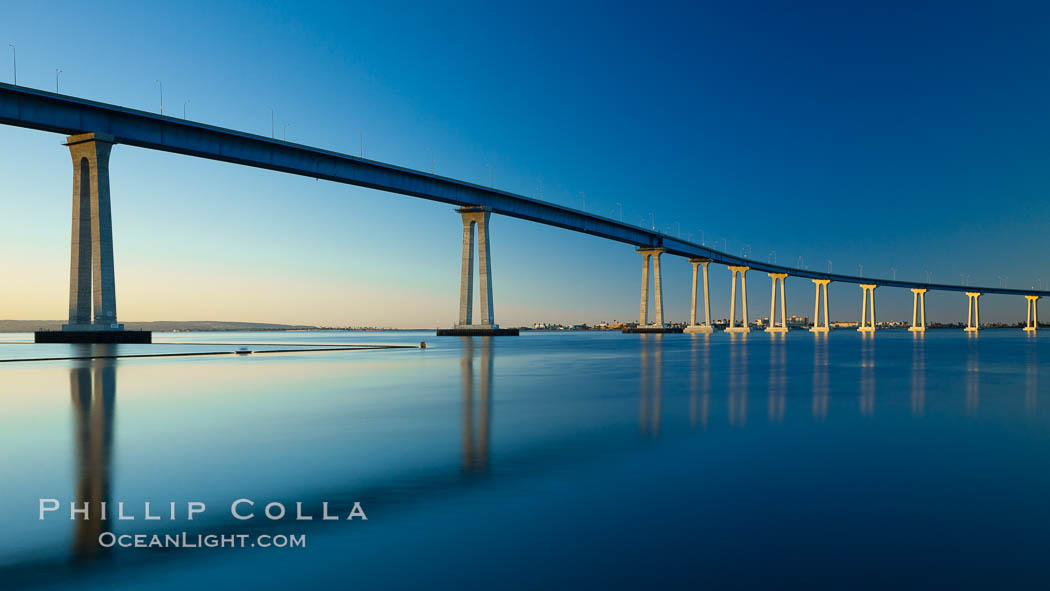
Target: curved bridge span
<point x="94" y="127"/>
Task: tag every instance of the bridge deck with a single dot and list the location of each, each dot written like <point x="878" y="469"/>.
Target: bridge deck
<point x="45" y="111"/>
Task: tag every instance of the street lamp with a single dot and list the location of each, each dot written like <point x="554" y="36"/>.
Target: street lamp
<point x="620" y="205"/>
<point x="271" y="123"/>
<point x="14" y="61"/>
<point x="286" y="131"/>
<point x="161" y="85"/>
<point x="184" y="109"/>
<point x="57" y="72"/>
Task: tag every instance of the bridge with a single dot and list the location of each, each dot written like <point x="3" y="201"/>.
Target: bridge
<point x="94" y="127"/>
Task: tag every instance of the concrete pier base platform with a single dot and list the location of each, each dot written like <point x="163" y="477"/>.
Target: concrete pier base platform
<point x="699" y="329"/>
<point x="94" y="336"/>
<point x="477" y="332"/>
<point x="650" y="330"/>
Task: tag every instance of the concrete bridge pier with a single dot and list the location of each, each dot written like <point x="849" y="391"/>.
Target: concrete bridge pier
<point x="867" y="322"/>
<point x="973" y="314"/>
<point x="773" y="326"/>
<point x="1031" y="318"/>
<point x="657" y="326"/>
<point x="92" y="289"/>
<point x="817" y="327"/>
<point x="918" y="310"/>
<point x="475" y="217"/>
<point x="734" y="271"/>
<point x="658" y="298"/>
<point x="706" y="327"/>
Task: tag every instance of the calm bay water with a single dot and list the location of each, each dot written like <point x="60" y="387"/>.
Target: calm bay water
<point x="579" y="459"/>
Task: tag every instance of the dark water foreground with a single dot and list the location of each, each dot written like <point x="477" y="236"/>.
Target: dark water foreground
<point x="553" y="460"/>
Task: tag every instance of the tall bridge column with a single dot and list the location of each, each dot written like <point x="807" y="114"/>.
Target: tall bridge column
<point x="918" y="310"/>
<point x="91" y="282"/>
<point x="734" y="271"/>
<point x="706" y="327"/>
<point x="1031" y="317"/>
<point x="817" y="327"/>
<point x="973" y="314"/>
<point x="658" y="299"/>
<point x="92" y="290"/>
<point x="475" y="217"/>
<point x="773" y="327"/>
<point x="867" y="322"/>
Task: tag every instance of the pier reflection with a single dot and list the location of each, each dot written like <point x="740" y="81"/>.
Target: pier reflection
<point x="820" y="376"/>
<point x="973" y="367"/>
<point x="650" y="384"/>
<point x="700" y="380"/>
<point x="1031" y="378"/>
<point x="738" y="379"/>
<point x="477" y="410"/>
<point x="918" y="374"/>
<point x="93" y="390"/>
<point x="867" y="374"/>
<point x="777" y="377"/>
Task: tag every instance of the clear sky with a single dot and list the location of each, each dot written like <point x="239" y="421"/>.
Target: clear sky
<point x="886" y="135"/>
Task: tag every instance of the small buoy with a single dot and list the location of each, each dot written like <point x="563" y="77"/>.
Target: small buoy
<point x="422" y="344"/>
<point x="244" y="351"/>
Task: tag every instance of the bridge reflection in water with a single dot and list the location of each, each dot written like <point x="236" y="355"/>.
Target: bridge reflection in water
<point x="717" y="382"/>
<point x="650" y="385"/>
<point x="93" y="389"/>
<point x="477" y="410"/>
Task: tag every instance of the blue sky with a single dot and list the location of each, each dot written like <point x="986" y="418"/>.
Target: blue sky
<point x="884" y="135"/>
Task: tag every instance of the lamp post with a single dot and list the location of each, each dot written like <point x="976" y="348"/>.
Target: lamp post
<point x="57" y="72"/>
<point x="161" y="86"/>
<point x="620" y="205"/>
<point x="14" y="61"/>
<point x="286" y="131"/>
<point x="184" y="109"/>
<point x="271" y="123"/>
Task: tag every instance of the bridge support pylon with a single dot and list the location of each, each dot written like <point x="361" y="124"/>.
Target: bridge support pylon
<point x="734" y="271"/>
<point x="867" y="320"/>
<point x="1031" y="317"/>
<point x="973" y="314"/>
<point x="658" y="298"/>
<point x="706" y="327"/>
<point x="92" y="287"/>
<point x="773" y="326"/>
<point x="817" y="327"/>
<point x="918" y="310"/>
<point x="475" y="217"/>
<point x="643" y="310"/>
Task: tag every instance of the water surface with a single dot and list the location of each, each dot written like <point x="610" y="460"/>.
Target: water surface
<point x="553" y="459"/>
